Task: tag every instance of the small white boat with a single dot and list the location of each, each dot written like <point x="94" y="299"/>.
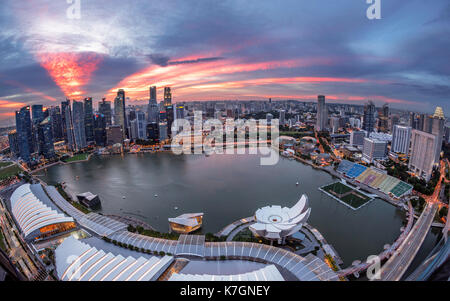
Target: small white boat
<point x="156" y="195"/>
<point x="176" y="208"/>
<point x="297" y="183"/>
<point x="123" y="197"/>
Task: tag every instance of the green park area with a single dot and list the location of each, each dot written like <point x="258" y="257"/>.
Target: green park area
<point x="77" y="157"/>
<point x="4" y="164"/>
<point x="347" y="194"/>
<point x="9" y="171"/>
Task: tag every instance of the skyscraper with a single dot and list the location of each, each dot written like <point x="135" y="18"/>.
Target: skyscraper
<point x="100" y="129"/>
<point x="65" y="105"/>
<point x="89" y="119"/>
<point x="369" y="117"/>
<point x="282" y="117"/>
<point x="170" y="118"/>
<point x="437" y="129"/>
<point x="56" y="120"/>
<point x="423" y="152"/>
<point x="24" y="133"/>
<point x="79" y="130"/>
<point x="68" y="124"/>
<point x="167" y="96"/>
<point x="13" y="140"/>
<point x="357" y="138"/>
<point x="322" y="114"/>
<point x="401" y="139"/>
<point x="119" y="111"/>
<point x="104" y="107"/>
<point x="152" y="110"/>
<point x="383" y="119"/>
<point x="46" y="147"/>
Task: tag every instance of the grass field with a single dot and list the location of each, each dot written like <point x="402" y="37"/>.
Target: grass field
<point x="347" y="194"/>
<point x="4" y="164"/>
<point x="78" y="157"/>
<point x="8" y="172"/>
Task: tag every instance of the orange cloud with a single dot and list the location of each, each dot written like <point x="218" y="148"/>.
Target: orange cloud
<point x="10" y="104"/>
<point x="70" y="71"/>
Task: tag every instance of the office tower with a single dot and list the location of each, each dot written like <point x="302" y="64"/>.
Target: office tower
<point x="24" y="133"/>
<point x="179" y="112"/>
<point x="45" y="133"/>
<point x="369" y="117"/>
<point x="37" y="113"/>
<point x="334" y="124"/>
<point x="89" y="119"/>
<point x="167" y="96"/>
<point x="393" y="121"/>
<point x="153" y="132"/>
<point x="322" y="114"/>
<point x="447" y="133"/>
<point x="66" y="113"/>
<point x="423" y="153"/>
<point x="153" y="109"/>
<point x="114" y="134"/>
<point x="79" y="130"/>
<point x="401" y="138"/>
<point x="437" y="129"/>
<point x="100" y="124"/>
<point x="269" y="118"/>
<point x="427" y="123"/>
<point x="282" y="117"/>
<point x="119" y="111"/>
<point x="56" y="120"/>
<point x="357" y="138"/>
<point x="170" y="119"/>
<point x="104" y="108"/>
<point x="163" y="131"/>
<point x="420" y="122"/>
<point x="153" y="99"/>
<point x="65" y="105"/>
<point x="374" y="149"/>
<point x="413" y="121"/>
<point x="138" y="126"/>
<point x="13" y="140"/>
<point x="383" y="119"/>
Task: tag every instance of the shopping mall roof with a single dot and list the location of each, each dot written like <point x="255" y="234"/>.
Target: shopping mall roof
<point x="32" y="209"/>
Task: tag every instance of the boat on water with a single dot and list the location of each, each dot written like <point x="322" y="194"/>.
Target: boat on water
<point x="176" y="208"/>
<point x="123" y="197"/>
<point x="297" y="183"/>
<point x="155" y="195"/>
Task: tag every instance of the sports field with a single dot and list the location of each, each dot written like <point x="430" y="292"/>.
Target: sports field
<point x="346" y="194"/>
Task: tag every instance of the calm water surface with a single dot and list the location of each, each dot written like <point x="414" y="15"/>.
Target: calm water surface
<point x="227" y="188"/>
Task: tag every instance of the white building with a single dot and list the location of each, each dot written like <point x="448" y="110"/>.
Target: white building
<point x="276" y="223"/>
<point x="401" y="139"/>
<point x="423" y="151"/>
<point x="374" y="149"/>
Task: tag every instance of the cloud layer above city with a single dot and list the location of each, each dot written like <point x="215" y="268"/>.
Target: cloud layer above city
<point x="226" y="50"/>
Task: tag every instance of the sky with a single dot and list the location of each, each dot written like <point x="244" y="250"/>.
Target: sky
<point x="225" y="50"/>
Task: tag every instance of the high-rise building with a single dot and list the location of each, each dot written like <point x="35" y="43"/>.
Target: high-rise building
<point x="437" y="129"/>
<point x="89" y="119"/>
<point x="13" y="140"/>
<point x="153" y="109"/>
<point x="401" y="139"/>
<point x="79" y="130"/>
<point x="37" y="113"/>
<point x="100" y="129"/>
<point x="66" y="114"/>
<point x="322" y="114"/>
<point x="374" y="149"/>
<point x="153" y="132"/>
<point x="170" y="119"/>
<point x="45" y="134"/>
<point x="163" y="131"/>
<point x="114" y="134"/>
<point x="269" y="118"/>
<point x="24" y="133"/>
<point x="104" y="108"/>
<point x="334" y="124"/>
<point x="138" y="126"/>
<point x="282" y="117"/>
<point x="167" y="96"/>
<point x="153" y="99"/>
<point x="427" y="123"/>
<point x="357" y="138"/>
<point x="369" y="117"/>
<point x="383" y="119"/>
<point x="119" y="111"/>
<point x="56" y="120"/>
<point x="447" y="134"/>
<point x="423" y="152"/>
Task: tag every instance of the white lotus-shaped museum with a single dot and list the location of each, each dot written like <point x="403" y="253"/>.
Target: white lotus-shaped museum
<point x="277" y="223"/>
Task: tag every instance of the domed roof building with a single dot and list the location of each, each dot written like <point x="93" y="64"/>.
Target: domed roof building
<point x="277" y="223"/>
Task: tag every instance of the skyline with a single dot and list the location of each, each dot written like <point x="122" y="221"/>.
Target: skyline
<point x="236" y="50"/>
